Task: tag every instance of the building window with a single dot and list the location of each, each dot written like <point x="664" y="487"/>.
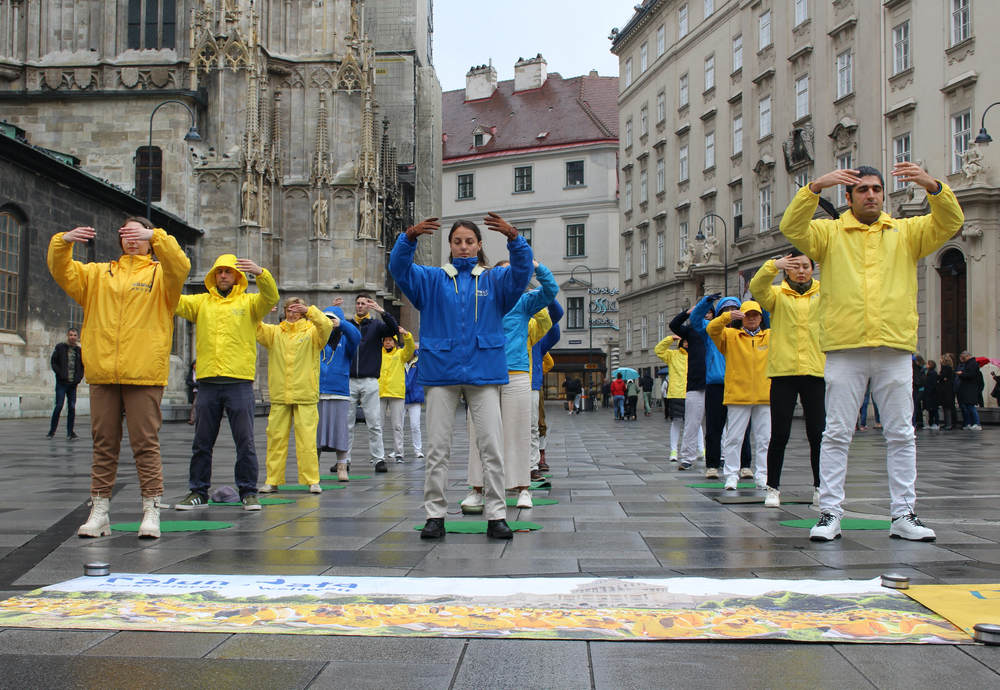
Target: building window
<point x="643" y="188"/>
<point x="628" y="133"/>
<point x="709" y="222"/>
<point x="644" y="333"/>
<point x="465" y="190"/>
<point x="801" y="180"/>
<point x="901" y="154"/>
<point x="845" y="162"/>
<point x="764" y="30"/>
<point x="643" y="257"/>
<point x="661" y="41"/>
<point x="10" y="271"/>
<point x="661" y="107"/>
<point x="152" y="24"/>
<point x="709" y="150"/>
<point x="628" y="195"/>
<point x="526" y="234"/>
<point x="477" y="140"/>
<point x="628" y="335"/>
<point x="628" y="73"/>
<point x="643" y="58"/>
<point x="683" y="159"/>
<point x="961" y="25"/>
<point x="765" y="209"/>
<point x="738" y="52"/>
<point x="574" y="312"/>
<point x="148" y="164"/>
<point x="682" y="22"/>
<point x="801" y="97"/>
<point x="901" y="48"/>
<point x="710" y="72"/>
<point x="628" y="263"/>
<point x="738" y="134"/>
<point x="661" y="176"/>
<point x="737" y="217"/>
<point x="661" y="252"/>
<point x="522" y="179"/>
<point x="709" y="8"/>
<point x="575" y="245"/>
<point x="682" y="236"/>
<point x="661" y="327"/>
<point x="683" y="91"/>
<point x="845" y="84"/>
<point x="765" y="117"/>
<point x="961" y="133"/>
<point x="801" y="11"/>
<point x="644" y="121"/>
<point x="574" y="174"/>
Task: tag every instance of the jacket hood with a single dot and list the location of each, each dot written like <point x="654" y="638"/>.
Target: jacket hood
<point x="227" y="261"/>
<point x="726" y="302"/>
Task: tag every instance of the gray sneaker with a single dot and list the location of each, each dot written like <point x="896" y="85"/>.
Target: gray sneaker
<point x="250" y="502"/>
<point x="193" y="501"/>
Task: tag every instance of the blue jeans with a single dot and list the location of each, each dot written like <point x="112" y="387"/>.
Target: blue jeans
<point x="619" y="401"/>
<point x="970" y="415"/>
<point x="67" y="392"/>
<point x="864" y="411"/>
<point x="237" y="401"/>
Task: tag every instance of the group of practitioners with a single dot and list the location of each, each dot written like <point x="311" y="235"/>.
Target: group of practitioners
<point x="826" y="346"/>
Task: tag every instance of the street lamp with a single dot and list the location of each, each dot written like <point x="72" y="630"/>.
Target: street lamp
<point x="725" y="247"/>
<point x="590" y="328"/>
<point x="192" y="135"/>
<point x="984" y="139"/>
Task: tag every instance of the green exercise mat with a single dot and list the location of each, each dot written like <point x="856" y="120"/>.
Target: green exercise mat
<point x="175" y="526"/>
<point x="720" y="485"/>
<point x="512" y="502"/>
<point x="263" y="502"/>
<point x="352" y="477"/>
<point x="479" y="526"/>
<point x="541" y="485"/>
<point x="305" y="487"/>
<point x="846" y="523"/>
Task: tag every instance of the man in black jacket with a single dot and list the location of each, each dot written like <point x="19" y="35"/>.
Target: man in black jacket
<point x="365" y="370"/>
<point x="68" y="367"/>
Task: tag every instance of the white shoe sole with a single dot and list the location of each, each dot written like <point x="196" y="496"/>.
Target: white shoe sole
<point x="102" y="532"/>
<point x="152" y="534"/>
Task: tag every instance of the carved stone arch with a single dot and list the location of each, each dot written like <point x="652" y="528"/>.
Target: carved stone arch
<point x="295" y="80"/>
<point x="207" y="53"/>
<point x="321" y="78"/>
<point x="843" y="134"/>
<point x="938" y="259"/>
<point x="349" y="77"/>
<point x="236" y="54"/>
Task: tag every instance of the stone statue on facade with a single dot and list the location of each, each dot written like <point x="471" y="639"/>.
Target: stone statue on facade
<point x="973" y="171"/>
<point x="710" y="250"/>
<point x="687" y="258"/>
<point x="248" y="195"/>
<point x="367" y="213"/>
<point x="321" y="215"/>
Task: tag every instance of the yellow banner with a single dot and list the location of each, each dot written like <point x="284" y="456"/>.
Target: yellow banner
<point x="963" y="605"/>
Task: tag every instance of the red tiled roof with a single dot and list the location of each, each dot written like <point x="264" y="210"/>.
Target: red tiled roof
<point x="577" y="110"/>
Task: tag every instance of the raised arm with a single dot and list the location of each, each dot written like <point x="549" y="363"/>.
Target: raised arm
<point x="678" y="327"/>
<point x="663" y="348"/>
<point x="716" y="330"/>
<point x="556" y="312"/>
<point x="263" y="301"/>
<point x="538" y="326"/>
<point x="324" y="327"/>
<point x="699" y="311"/>
<point x="173" y="261"/>
<point x="188" y="306"/>
<point x="761" y="286"/>
<point x="550" y="339"/>
<point x="411" y="278"/>
<point x="409" y="347"/>
<point x="350" y="333"/>
<point x="72" y="276"/>
<point x="537" y="299"/>
<point x="266" y="333"/>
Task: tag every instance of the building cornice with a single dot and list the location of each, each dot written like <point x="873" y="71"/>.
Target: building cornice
<point x="529" y="150"/>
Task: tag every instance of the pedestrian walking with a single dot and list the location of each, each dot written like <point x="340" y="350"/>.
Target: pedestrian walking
<point x="128" y="325"/>
<point x="574" y="393"/>
<point x="414" y="402"/>
<point x="335" y="405"/>
<point x="606" y="394"/>
<point x="970" y="391"/>
<point x="631" y="398"/>
<point x="539" y="432"/>
<point x="461" y="336"/>
<point x="618" y="390"/>
<point x="868" y="261"/>
<point x="676" y="391"/>
<point x="919" y="380"/>
<point x="646" y="384"/>
<point x="226" y="318"/>
<point x="392" y="388"/>
<point x="67" y="365"/>
<point x="795" y="362"/>
<point x="930" y="395"/>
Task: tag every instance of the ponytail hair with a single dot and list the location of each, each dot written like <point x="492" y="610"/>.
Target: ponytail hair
<point x="468" y="224"/>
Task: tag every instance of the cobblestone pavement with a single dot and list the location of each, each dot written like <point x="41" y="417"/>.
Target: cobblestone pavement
<point x="624" y="511"/>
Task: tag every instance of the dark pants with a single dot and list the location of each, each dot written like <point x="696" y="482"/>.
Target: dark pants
<point x="948" y="411"/>
<point x="970" y="415"/>
<point x="237" y="401"/>
<point x="918" y="409"/>
<point x="864" y="410"/>
<point x="630" y="402"/>
<point x="715" y="424"/>
<point x="64" y="390"/>
<point x="785" y="390"/>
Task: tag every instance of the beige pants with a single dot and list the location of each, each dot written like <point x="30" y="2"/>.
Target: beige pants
<point x="484" y="406"/>
<point x="140" y="408"/>
<point x="515" y="412"/>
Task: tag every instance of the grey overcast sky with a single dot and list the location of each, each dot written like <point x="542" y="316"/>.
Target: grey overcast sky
<point x="572" y="36"/>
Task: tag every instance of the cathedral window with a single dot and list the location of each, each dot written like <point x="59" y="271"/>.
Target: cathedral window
<point x="148" y="163"/>
<point x="152" y="24"/>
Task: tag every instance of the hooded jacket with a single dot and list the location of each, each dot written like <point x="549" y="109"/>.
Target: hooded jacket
<point x="462" y="306"/>
<point x="697" y="348"/>
<point x="795" y="328"/>
<point x="869" y="296"/>
<point x="293" y="357"/>
<point x="392" y="378"/>
<point x="335" y="360"/>
<point x="542" y="347"/>
<point x="677" y="360"/>
<point x="516" y="322"/>
<point x="414" y="391"/>
<point x="715" y="362"/>
<point x="746" y="362"/>
<point x="227" y="326"/>
<point x="128" y="309"/>
<point x="367" y="362"/>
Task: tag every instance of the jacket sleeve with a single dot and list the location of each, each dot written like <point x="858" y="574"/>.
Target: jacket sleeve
<point x="408" y="347"/>
<point x="324" y="327"/>
<point x="698" y="324"/>
<point x="262" y="302"/>
<point x="926" y="233"/>
<point x="807" y="235"/>
<point x="663" y="350"/>
<point x="514" y="278"/>
<point x="970" y="370"/>
<point x="412" y="278"/>
<point x="550" y="339"/>
<point x="174" y="263"/>
<point x="761" y="288"/>
<point x="538" y="326"/>
<point x="349" y="332"/>
<point x="54" y="361"/>
<point x="72" y="276"/>
<point x="266" y="333"/>
<point x="716" y="330"/>
<point x="388" y="328"/>
<point x="547" y="363"/>
<point x="538" y="299"/>
<point x="556" y="312"/>
<point x="188" y="306"/>
<point x="678" y="327"/>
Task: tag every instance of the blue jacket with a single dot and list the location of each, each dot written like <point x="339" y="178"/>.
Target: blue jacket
<point x="414" y="391"/>
<point x="335" y="360"/>
<point x="715" y="362"/>
<point x="461" y="307"/>
<point x="547" y="342"/>
<point x="515" y="322"/>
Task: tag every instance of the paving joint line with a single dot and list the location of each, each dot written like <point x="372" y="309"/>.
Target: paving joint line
<point x="458" y="665"/>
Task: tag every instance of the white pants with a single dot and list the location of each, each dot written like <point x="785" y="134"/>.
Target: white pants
<point x="737" y="419"/>
<point x="365" y="392"/>
<point x="535" y="438"/>
<point x="847" y="373"/>
<point x="694" y="412"/>
<point x="484" y="408"/>
<point x="413" y="411"/>
<point x="393" y="409"/>
<point x="515" y="399"/>
<point x="676" y="427"/>
<point x="577" y="402"/>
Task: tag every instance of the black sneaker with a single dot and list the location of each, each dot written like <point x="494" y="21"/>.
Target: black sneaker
<point x="380" y="466"/>
<point x="51" y="434"/>
<point x="71" y="436"/>
<point x="498" y="529"/>
<point x="434" y="529"/>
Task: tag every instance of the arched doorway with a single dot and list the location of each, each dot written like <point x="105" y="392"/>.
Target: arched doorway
<point x="954" y="320"/>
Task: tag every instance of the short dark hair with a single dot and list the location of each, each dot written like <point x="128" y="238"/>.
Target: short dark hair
<point x="360" y="295"/>
<point x="865" y="171"/>
<point x="795" y="252"/>
<point x="72" y="330"/>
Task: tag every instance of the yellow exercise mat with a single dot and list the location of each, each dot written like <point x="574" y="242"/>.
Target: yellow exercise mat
<point x="963" y="605"/>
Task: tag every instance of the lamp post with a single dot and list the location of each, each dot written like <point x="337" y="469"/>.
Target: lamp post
<point x="983" y="138"/>
<point x="192" y="135"/>
<point x="725" y="247"/>
<point x="590" y="328"/>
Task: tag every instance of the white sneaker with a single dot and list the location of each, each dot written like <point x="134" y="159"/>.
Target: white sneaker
<point x="150" y="526"/>
<point x="732" y="482"/>
<point x="909" y="527"/>
<point x="267" y="489"/>
<point x="673" y="456"/>
<point x="711" y="473"/>
<point x="315" y="489"/>
<point x="418" y="454"/>
<point x="399" y="459"/>
<point x="746" y="473"/>
<point x="524" y="499"/>
<point x="934" y="427"/>
<point x="975" y="427"/>
<point x="816" y="497"/>
<point x="827" y="529"/>
<point x="98" y="524"/>
<point x="760" y="482"/>
<point x="473" y="500"/>
<point x="772" y="500"/>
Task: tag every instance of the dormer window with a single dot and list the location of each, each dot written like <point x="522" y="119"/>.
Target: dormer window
<point x="481" y="136"/>
<point x="477" y="140"/>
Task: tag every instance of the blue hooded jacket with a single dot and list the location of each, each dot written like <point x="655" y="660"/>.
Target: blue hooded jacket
<point x="515" y="322"/>
<point x="547" y="342"/>
<point x="715" y="362"/>
<point x="461" y="307"/>
<point x="414" y="391"/>
<point x="335" y="360"/>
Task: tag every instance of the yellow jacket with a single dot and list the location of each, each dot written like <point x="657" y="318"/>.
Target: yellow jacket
<point x="538" y="326"/>
<point x="746" y="362"/>
<point x="677" y="360"/>
<point x="128" y="309"/>
<point x="547" y="363"/>
<point x="392" y="378"/>
<point x="227" y="326"/>
<point x="293" y="357"/>
<point x="869" y="296"/>
<point x="795" y="325"/>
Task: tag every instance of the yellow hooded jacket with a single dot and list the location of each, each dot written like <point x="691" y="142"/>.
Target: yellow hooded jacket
<point x="547" y="363"/>
<point x="677" y="360"/>
<point x="869" y="296"/>
<point x="128" y="309"/>
<point x="746" y="362"/>
<point x="538" y="326"/>
<point x="392" y="378"/>
<point x="293" y="357"/>
<point x="795" y="328"/>
<point x="227" y="325"/>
